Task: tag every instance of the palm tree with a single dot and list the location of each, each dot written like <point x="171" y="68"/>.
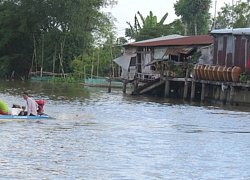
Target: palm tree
<point x="148" y="23"/>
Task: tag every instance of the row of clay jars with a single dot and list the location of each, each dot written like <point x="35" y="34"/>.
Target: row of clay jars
<point x="217" y="73"/>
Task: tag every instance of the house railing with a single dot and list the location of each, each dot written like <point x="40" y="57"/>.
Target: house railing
<point x="147" y="76"/>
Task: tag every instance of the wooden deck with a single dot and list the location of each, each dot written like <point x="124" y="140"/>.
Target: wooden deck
<point x="194" y="89"/>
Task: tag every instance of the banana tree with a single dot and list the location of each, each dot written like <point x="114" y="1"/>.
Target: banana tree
<point x="150" y="22"/>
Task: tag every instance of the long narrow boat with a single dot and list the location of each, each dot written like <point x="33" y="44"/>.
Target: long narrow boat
<point x="39" y="117"/>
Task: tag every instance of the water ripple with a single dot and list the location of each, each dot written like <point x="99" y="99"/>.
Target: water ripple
<point x="100" y="135"/>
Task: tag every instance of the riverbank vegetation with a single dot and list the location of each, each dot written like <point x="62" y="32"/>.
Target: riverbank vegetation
<point x="49" y="35"/>
<point x="78" y="40"/>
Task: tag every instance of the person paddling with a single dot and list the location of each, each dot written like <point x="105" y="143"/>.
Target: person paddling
<point x="31" y="105"/>
<point x="3" y="108"/>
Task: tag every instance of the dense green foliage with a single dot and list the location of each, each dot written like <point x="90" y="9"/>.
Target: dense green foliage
<point x="194" y="14"/>
<point x="99" y="63"/>
<point x="194" y="19"/>
<point x="149" y="27"/>
<point x="236" y="16"/>
<point x="51" y="34"/>
<point x="68" y="36"/>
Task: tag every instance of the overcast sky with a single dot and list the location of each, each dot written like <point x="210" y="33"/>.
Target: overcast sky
<point x="126" y="10"/>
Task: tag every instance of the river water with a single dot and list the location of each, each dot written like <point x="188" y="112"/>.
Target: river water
<point x="114" y="136"/>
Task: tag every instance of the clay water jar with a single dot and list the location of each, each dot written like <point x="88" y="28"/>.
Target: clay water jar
<point x="215" y="76"/>
<point x="220" y="73"/>
<point x="197" y="74"/>
<point x="202" y="72"/>
<point x="225" y="73"/>
<point x="206" y="72"/>
<point x="210" y="73"/>
<point x="229" y="74"/>
<point x="195" y="71"/>
<point x="236" y="71"/>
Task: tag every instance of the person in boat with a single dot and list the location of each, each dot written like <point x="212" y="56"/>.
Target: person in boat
<point x="16" y="110"/>
<point x="31" y="105"/>
<point x="3" y="108"/>
<point x="23" y="111"/>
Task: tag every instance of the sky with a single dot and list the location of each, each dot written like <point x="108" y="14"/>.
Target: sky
<point x="125" y="11"/>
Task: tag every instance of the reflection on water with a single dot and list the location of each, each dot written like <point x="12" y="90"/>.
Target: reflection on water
<point x="64" y="92"/>
<point x="100" y="135"/>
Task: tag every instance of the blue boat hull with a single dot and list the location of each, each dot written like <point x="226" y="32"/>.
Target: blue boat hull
<point x="44" y="116"/>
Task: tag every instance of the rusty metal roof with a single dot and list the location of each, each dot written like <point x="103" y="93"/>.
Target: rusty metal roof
<point x="178" y="50"/>
<point x="181" y="41"/>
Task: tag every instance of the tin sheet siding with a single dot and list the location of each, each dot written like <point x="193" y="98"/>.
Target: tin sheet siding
<point x="220" y="50"/>
<point x="239" y="53"/>
<point x="220" y="57"/>
<point x="224" y="51"/>
<point x="229" y="51"/>
<point x="246" y="51"/>
<point x="248" y="48"/>
<point x="215" y="59"/>
<point x="229" y="62"/>
<point x="248" y="55"/>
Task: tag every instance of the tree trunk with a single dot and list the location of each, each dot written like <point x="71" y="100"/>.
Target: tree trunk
<point x="195" y="28"/>
<point x="185" y="29"/>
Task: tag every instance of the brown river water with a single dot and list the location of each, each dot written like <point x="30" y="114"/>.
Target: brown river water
<point x="114" y="136"/>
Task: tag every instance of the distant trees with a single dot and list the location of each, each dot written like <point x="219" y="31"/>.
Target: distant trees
<point x="195" y="19"/>
<point x="233" y="16"/>
<point x="147" y="28"/>
<point x="194" y="14"/>
<point x="51" y="34"/>
<point x="47" y="32"/>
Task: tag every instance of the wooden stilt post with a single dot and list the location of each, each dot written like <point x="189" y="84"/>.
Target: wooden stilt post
<point x="203" y="92"/>
<point x="167" y="87"/>
<point x="231" y="95"/>
<point x="224" y="97"/>
<point x="186" y="86"/>
<point x="185" y="90"/>
<point x="193" y="90"/>
<point x="109" y="87"/>
<point x="135" y="87"/>
<point x="124" y="86"/>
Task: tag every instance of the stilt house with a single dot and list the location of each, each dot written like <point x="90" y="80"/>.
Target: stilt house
<point x="149" y="61"/>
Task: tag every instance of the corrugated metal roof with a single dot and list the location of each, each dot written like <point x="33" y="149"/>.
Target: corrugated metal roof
<point x="190" y="40"/>
<point x="242" y="31"/>
<point x="221" y="31"/>
<point x="173" y="36"/>
<point x="237" y="31"/>
<point x="154" y="62"/>
<point x="177" y="50"/>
